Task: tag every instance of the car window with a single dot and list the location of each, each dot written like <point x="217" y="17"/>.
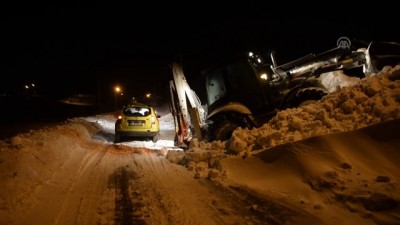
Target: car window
<point x="137" y="111"/>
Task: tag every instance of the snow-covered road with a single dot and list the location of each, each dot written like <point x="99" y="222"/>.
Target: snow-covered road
<point x="334" y="162"/>
<point x="75" y="174"/>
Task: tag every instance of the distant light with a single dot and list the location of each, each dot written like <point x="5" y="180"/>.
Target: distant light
<point x="33" y="85"/>
<point x="148" y="95"/>
<point x="122" y="93"/>
<point x="264" y="76"/>
<point x="26" y="87"/>
<point x="259" y="60"/>
<point x="250" y="54"/>
<point x="117" y="89"/>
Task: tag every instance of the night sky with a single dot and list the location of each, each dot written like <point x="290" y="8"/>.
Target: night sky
<point x="80" y="48"/>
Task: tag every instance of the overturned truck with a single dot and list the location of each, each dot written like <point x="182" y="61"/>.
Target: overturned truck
<point x="246" y="91"/>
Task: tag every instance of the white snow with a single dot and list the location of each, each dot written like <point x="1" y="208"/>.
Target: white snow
<point x="368" y="102"/>
<point x="334" y="81"/>
<point x="333" y="162"/>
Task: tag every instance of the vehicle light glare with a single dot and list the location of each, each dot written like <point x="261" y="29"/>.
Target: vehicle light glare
<point x="264" y="76"/>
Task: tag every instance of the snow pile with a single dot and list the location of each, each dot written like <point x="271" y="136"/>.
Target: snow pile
<point x="340" y="155"/>
<point x="28" y="160"/>
<point x="103" y="121"/>
<point x="372" y="100"/>
<point x="167" y="122"/>
<point x="336" y="80"/>
<point x="202" y="158"/>
<point x="343" y="178"/>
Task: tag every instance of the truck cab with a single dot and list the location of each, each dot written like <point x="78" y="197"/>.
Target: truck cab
<point x="246" y="92"/>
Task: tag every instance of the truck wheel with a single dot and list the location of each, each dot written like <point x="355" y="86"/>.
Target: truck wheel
<point x="224" y="131"/>
<point x="309" y="96"/>
<point x="224" y="126"/>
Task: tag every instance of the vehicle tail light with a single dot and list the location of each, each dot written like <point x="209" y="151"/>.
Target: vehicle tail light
<point x="153" y="120"/>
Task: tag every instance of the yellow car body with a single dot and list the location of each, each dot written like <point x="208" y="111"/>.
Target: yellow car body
<point x="140" y="121"/>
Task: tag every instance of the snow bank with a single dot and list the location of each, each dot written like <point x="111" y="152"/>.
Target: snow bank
<point x="28" y="160"/>
<point x="372" y="100"/>
<point x="336" y="159"/>
<point x="336" y="80"/>
<point x="354" y="105"/>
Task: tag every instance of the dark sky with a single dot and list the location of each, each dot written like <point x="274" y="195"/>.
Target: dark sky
<point x="72" y="49"/>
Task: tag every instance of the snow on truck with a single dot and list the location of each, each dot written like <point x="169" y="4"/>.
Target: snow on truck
<point x="246" y="92"/>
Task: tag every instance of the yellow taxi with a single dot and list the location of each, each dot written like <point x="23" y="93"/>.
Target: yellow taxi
<point x="137" y="121"/>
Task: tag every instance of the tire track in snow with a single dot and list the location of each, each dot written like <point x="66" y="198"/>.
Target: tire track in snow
<point x="90" y="161"/>
<point x="127" y="208"/>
